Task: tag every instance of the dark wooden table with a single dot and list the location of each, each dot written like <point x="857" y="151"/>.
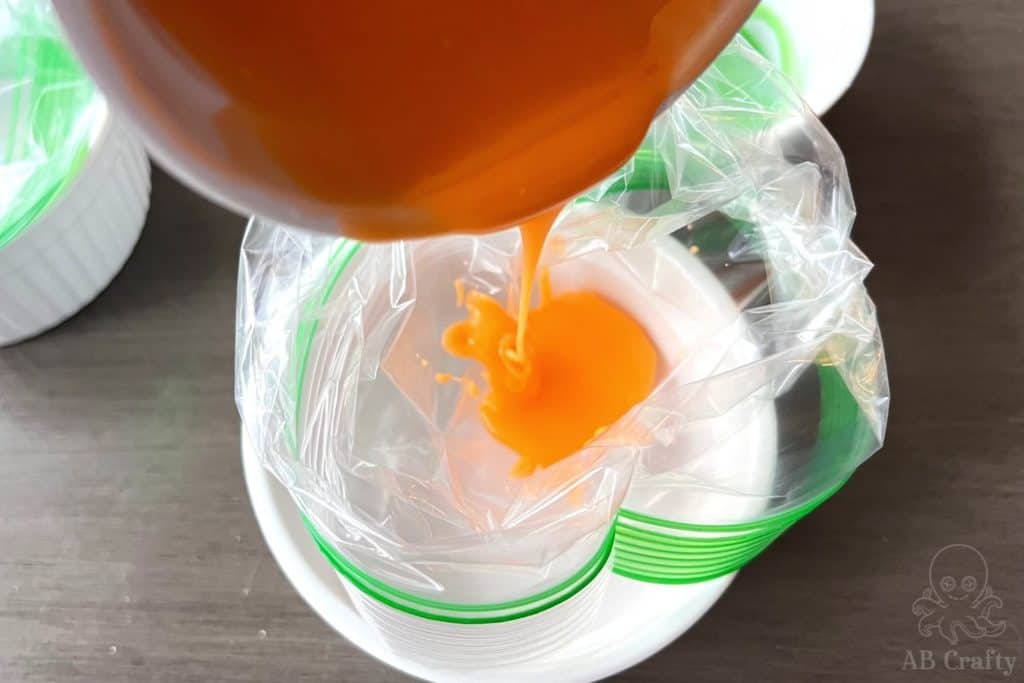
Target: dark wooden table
<point x="128" y="551"/>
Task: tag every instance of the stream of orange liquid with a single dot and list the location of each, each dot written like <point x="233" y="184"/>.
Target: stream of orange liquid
<point x="559" y="374"/>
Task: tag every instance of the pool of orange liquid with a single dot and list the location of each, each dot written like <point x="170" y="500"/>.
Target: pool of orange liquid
<point x="557" y="375"/>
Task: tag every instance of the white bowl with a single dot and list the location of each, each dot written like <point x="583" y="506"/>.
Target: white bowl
<point x="826" y="42"/>
<point x="72" y="251"/>
<point x="630" y="621"/>
<point x="634" y="621"/>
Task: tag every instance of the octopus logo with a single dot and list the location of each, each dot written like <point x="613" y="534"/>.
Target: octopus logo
<point x="958" y="600"/>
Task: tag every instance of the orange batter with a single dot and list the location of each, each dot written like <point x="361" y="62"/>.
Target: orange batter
<point x="407" y="118"/>
<point x="561" y="373"/>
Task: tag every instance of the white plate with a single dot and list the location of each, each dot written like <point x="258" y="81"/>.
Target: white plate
<point x="635" y="621"/>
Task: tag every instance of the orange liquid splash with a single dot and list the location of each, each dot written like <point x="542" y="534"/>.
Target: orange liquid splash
<point x="557" y="375"/>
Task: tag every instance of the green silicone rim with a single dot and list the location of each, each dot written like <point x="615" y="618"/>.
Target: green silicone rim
<point x="456" y="613"/>
<point x="44" y="55"/>
<point x="658" y="550"/>
<point x="766" y="17"/>
<point x="336" y="265"/>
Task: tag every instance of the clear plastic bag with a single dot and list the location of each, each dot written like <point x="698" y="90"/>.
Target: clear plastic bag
<point x="727" y="236"/>
<point x="49" y="110"/>
<point x="395" y="469"/>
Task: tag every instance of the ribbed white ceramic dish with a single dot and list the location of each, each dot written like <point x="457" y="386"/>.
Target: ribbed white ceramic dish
<point x="72" y="251"/>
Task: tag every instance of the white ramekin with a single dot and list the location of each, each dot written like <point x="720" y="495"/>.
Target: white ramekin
<point x="72" y="251"/>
